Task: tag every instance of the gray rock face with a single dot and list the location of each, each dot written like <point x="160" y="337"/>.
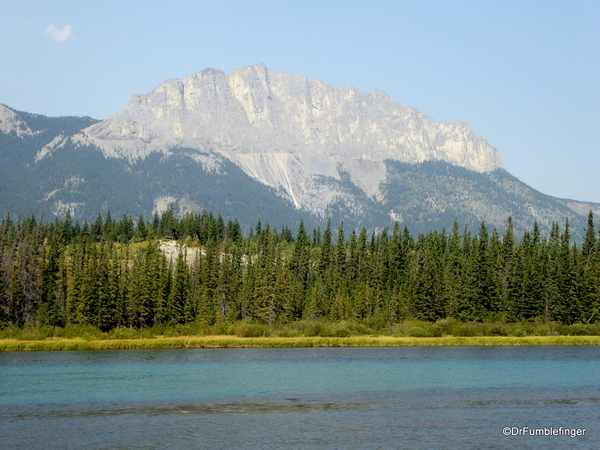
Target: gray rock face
<point x="11" y="122"/>
<point x="287" y="131"/>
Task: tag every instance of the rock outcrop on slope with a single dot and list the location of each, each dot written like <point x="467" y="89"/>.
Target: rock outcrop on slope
<point x="300" y="136"/>
<point x="10" y="122"/>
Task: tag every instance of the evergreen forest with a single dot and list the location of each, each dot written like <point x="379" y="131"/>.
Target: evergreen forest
<point x="113" y="274"/>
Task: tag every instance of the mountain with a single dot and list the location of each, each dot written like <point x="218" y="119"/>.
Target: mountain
<point x="262" y="143"/>
<point x="44" y="171"/>
<point x="22" y="137"/>
<point x="287" y="132"/>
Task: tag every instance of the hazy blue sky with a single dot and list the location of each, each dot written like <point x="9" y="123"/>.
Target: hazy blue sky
<point x="523" y="74"/>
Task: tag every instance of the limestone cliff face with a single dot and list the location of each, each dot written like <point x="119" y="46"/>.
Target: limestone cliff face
<point x="287" y="131"/>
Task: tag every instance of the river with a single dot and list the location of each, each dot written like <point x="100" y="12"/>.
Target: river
<point x="331" y="398"/>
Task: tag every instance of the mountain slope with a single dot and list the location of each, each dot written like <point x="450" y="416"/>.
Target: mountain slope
<point x="432" y="194"/>
<point x="22" y="137"/>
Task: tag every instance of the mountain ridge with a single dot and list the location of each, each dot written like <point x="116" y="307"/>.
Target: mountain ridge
<point x="284" y="130"/>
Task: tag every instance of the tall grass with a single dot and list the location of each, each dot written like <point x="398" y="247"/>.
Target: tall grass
<point x="303" y="329"/>
<point x="280" y="342"/>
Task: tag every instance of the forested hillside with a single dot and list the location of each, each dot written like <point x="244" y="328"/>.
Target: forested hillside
<point x="114" y="274"/>
<point x="433" y="194"/>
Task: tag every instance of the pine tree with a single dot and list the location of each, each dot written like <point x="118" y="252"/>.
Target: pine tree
<point x="300" y="268"/>
<point x="566" y="309"/>
<point x="353" y="258"/>
<point x="226" y="290"/>
<point x="507" y="270"/>
<point x="450" y="277"/>
<point x="531" y="298"/>
<point x="340" y="250"/>
<point x="53" y="286"/>
<point x="67" y="228"/>
<point x="141" y="230"/>
<point x="179" y="294"/>
<point x="97" y="229"/>
<point x="589" y="242"/>
<point x="427" y="274"/>
<point x="326" y="250"/>
<point x="108" y="315"/>
<point x="24" y="279"/>
<point x="467" y="307"/>
<point x="589" y="263"/>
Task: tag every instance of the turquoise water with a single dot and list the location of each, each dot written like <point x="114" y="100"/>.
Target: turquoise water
<point x="412" y="398"/>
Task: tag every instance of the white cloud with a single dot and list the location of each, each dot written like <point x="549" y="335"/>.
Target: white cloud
<point x="58" y="34"/>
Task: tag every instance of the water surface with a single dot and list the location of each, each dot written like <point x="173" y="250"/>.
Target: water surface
<point x="413" y="398"/>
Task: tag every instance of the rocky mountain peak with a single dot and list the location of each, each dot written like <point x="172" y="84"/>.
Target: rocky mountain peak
<point x="287" y="130"/>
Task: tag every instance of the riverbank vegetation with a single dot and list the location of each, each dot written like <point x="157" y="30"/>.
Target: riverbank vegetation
<point x="306" y="328"/>
<point x="297" y="342"/>
<point x="112" y="280"/>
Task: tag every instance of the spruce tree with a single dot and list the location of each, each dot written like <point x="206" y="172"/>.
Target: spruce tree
<point x="179" y="294"/>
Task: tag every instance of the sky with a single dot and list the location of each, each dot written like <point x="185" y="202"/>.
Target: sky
<point x="523" y="74"/>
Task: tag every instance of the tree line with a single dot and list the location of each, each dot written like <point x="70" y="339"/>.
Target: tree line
<point x="114" y="273"/>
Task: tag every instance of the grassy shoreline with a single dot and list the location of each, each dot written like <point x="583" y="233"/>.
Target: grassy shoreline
<point x="304" y="333"/>
<point x="223" y="341"/>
